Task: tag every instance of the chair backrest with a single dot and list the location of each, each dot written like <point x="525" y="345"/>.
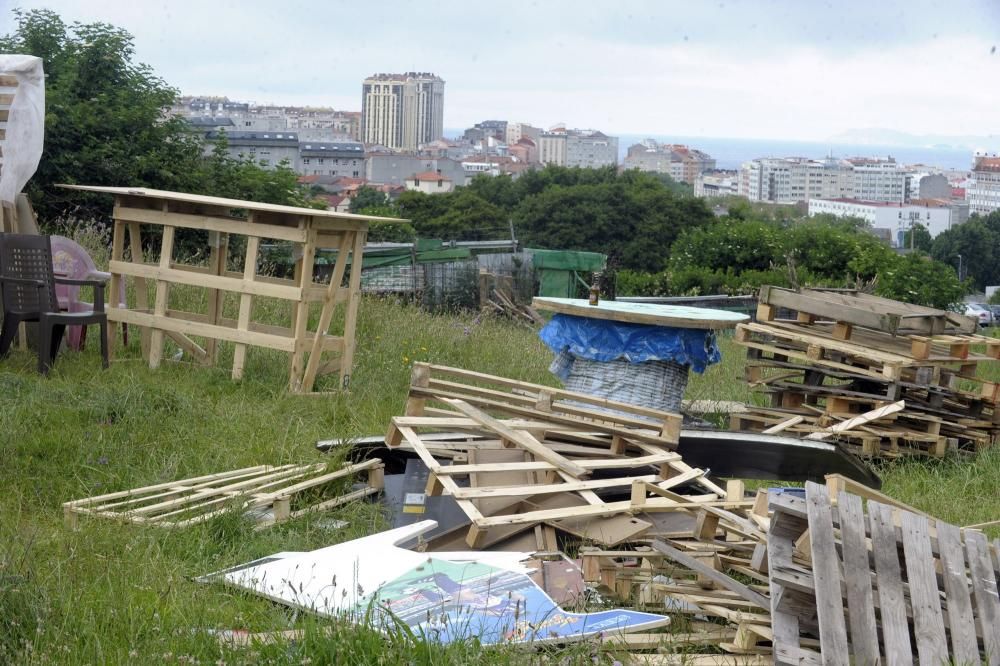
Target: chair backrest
<point x="27" y="257"/>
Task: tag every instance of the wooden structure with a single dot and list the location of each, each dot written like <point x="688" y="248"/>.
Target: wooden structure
<point x="842" y="356"/>
<point x="840" y="571"/>
<point x="160" y="214"/>
<point x="254" y="489"/>
<point x="654" y="314"/>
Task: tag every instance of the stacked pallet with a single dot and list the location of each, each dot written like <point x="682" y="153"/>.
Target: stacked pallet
<point x="835" y="355"/>
<point x="819" y="578"/>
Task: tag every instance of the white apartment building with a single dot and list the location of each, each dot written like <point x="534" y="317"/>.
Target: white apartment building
<point x="790" y="180"/>
<point x="577" y="148"/>
<point x="402" y="111"/>
<point x="935" y="215"/>
<point x="878" y="180"/>
<point x="983" y="192"/>
<point x="716" y="184"/>
<point x="552" y="148"/>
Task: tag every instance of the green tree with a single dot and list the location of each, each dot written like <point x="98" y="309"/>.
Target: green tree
<point x="918" y="279"/>
<point x="918" y="238"/>
<point x="977" y="242"/>
<point x="367" y="198"/>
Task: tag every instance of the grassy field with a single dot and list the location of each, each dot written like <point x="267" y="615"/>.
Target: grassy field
<point x="112" y="594"/>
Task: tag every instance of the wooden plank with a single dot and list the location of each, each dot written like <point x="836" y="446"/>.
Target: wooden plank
<point x="187" y="327"/>
<point x="519" y="437"/>
<point x="984" y="588"/>
<point x="246" y="303"/>
<point x="300" y="312"/>
<point x="928" y="622"/>
<point x="160" y="302"/>
<point x="351" y="310"/>
<point x="838" y="482"/>
<point x="788" y="423"/>
<point x="818" y="304"/>
<point x="961" y="625"/>
<point x="181" y="276"/>
<point x="892" y="608"/>
<point x="225" y="225"/>
<point x="859" y="420"/>
<point x="857" y="575"/>
<point x="326" y="314"/>
<point x="542" y="489"/>
<point x="720" y="578"/>
<point x="229" y="204"/>
<point x="826" y="576"/>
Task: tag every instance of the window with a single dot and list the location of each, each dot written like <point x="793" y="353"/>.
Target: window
<point x="320" y="160"/>
<point x="305" y="160"/>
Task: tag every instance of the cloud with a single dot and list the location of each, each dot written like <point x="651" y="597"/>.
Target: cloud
<point x="777" y="69"/>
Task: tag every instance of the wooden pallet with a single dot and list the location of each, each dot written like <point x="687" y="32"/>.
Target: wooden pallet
<point x="437" y="384"/>
<point x="192" y="501"/>
<point x="547" y="482"/>
<point x="855" y="308"/>
<point x="836" y="593"/>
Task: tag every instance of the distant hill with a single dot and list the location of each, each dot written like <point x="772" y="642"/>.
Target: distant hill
<point x="880" y="136"/>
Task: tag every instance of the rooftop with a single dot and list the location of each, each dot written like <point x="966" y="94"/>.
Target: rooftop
<point x="425" y="176"/>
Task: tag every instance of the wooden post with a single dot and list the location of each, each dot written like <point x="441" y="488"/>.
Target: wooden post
<point x="162" y="294"/>
<point x="114" y="289"/>
<point x="303" y="278"/>
<point x="141" y="284"/>
<point x="353" y="301"/>
<point x="246" y="304"/>
<point x="326" y="314"/>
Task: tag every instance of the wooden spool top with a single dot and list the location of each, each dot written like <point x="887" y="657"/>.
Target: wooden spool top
<point x="678" y="316"/>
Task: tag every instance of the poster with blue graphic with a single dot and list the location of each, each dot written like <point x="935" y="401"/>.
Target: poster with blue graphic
<point x="454" y="601"/>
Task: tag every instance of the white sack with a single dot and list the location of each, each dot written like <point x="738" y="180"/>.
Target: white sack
<point x="22" y="149"/>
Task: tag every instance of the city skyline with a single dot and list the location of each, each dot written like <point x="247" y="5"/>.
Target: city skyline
<point x="725" y="69"/>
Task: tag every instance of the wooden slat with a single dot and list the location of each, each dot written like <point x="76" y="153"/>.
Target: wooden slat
<point x="892" y="609"/>
<point x="961" y="624"/>
<point x="180" y="275"/>
<point x="928" y="622"/>
<point x="188" y="327"/>
<point x="826" y="576"/>
<point x="717" y="576"/>
<point x="519" y="437"/>
<point x="857" y="574"/>
<point x="984" y="588"/>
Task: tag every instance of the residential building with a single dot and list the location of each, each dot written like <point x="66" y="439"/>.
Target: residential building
<point x="201" y="124"/>
<point x="518" y="131"/>
<point x="680" y="162"/>
<point x="552" y="147"/>
<point x="429" y="182"/>
<point x="496" y="129"/>
<point x="983" y="190"/>
<point x="789" y="180"/>
<point x="577" y="148"/>
<point x="524" y="150"/>
<point x="395" y="168"/>
<point x="402" y="111"/>
<point x="936" y="215"/>
<point x="876" y="179"/>
<point x="332" y="159"/>
<point x="265" y="148"/>
<point x="711" y="184"/>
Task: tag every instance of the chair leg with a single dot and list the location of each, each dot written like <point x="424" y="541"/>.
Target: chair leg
<point x="44" y="343"/>
<point x="124" y="334"/>
<point x="104" y="344"/>
<point x="8" y="332"/>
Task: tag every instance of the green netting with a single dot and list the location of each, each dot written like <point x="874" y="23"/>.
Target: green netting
<point x="568" y="260"/>
<point x="559" y="270"/>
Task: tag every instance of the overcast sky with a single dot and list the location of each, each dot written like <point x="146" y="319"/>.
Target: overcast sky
<point x="795" y="69"/>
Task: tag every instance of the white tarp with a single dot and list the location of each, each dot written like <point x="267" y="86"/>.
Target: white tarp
<point x="22" y="147"/>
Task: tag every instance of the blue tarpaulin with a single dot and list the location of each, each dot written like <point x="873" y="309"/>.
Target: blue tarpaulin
<point x="604" y="340"/>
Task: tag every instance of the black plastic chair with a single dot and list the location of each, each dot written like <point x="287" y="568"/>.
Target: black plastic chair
<point x="29" y="294"/>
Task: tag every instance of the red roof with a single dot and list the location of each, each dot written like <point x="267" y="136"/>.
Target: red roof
<point x="428" y="175"/>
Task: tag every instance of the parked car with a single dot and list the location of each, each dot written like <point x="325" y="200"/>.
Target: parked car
<point x="981" y="312"/>
<point x="995" y="309"/>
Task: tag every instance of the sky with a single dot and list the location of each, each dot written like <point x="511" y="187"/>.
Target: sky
<point x="779" y="69"/>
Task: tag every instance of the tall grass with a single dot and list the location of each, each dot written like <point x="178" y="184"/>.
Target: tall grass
<point x="117" y="594"/>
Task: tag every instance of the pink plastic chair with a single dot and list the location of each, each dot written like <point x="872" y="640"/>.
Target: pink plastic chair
<point x="70" y="260"/>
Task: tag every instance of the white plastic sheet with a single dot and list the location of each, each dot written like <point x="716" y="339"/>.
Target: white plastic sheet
<point x="22" y="148"/>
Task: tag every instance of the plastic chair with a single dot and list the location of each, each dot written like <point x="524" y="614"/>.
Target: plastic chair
<point x="70" y="260"/>
<point x="29" y="283"/>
